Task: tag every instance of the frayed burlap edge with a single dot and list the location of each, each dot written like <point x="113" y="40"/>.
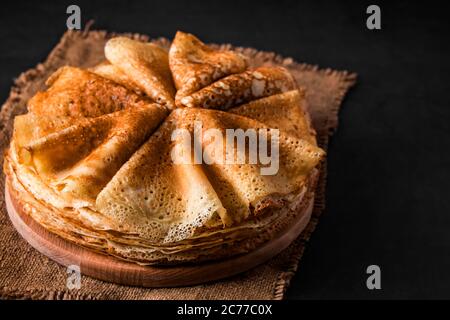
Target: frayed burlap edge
<point x="37" y="294"/>
<point x="283" y="280"/>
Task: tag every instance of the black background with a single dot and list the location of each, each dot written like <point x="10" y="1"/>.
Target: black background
<point x="388" y="183"/>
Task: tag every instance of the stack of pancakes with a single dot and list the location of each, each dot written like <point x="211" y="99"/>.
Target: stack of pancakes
<point x="92" y="160"/>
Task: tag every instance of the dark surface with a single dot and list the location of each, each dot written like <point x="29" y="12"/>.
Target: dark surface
<point x="388" y="184"/>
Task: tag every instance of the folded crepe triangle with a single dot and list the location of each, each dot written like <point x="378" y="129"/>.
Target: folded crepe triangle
<point x="243" y="87"/>
<point x="195" y="65"/>
<point x="113" y="73"/>
<point x="285" y="111"/>
<point x="241" y="186"/>
<point x="146" y="64"/>
<point x="74" y="92"/>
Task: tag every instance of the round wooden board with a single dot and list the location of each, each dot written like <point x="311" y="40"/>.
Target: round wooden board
<point x="108" y="268"/>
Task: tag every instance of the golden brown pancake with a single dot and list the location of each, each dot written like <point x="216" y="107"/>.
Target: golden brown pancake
<point x="94" y="158"/>
<point x="146" y="64"/>
<point x="286" y="111"/>
<point x="240" y="88"/>
<point x="195" y="65"/>
<point x="113" y="73"/>
<point x="74" y="92"/>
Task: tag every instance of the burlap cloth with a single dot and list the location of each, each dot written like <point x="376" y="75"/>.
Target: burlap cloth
<point x="27" y="274"/>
